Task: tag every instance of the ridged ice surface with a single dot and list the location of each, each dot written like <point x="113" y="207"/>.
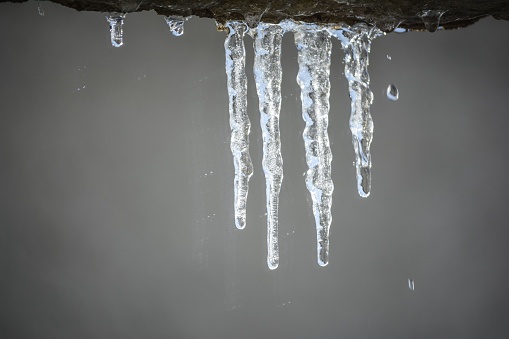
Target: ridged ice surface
<point x="175" y="24"/>
<point x="239" y="120"/>
<point x="356" y="42"/>
<point x="116" y="22"/>
<point x="314" y="50"/>
<point x="268" y="73"/>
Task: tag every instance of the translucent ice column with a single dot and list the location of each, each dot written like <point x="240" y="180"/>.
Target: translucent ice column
<point x="116" y="22"/>
<point x="356" y="42"/>
<point x="239" y="120"/>
<point x="267" y="72"/>
<point x="314" y="50"/>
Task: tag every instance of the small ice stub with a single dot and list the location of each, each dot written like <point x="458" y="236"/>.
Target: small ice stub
<point x="314" y="51"/>
<point x="392" y="92"/>
<point x="431" y="19"/>
<point x="411" y="284"/>
<point x="40" y="9"/>
<point x="116" y="21"/>
<point x="175" y="24"/>
<point x="239" y="121"/>
<point x="356" y="42"/>
<point x="268" y="74"/>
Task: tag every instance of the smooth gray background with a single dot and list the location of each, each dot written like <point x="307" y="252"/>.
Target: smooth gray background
<point x="116" y="190"/>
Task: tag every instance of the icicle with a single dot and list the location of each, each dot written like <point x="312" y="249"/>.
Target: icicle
<point x="176" y="24"/>
<point x="314" y="49"/>
<point x="239" y="120"/>
<point x="357" y="42"/>
<point x="267" y="72"/>
<point x="116" y="22"/>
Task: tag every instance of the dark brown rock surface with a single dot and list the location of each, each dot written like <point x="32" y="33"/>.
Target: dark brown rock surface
<point x="386" y="14"/>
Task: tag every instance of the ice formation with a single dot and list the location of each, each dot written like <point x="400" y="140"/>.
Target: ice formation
<point x="313" y="44"/>
<point x="239" y="121"/>
<point x="268" y="74"/>
<point x="116" y="22"/>
<point x="356" y="42"/>
<point x="314" y="50"/>
<point x="175" y="24"/>
<point x="431" y="19"/>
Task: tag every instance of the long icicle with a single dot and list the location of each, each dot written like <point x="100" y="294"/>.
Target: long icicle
<point x="314" y="50"/>
<point x="239" y="120"/>
<point x="356" y="43"/>
<point x="268" y="73"/>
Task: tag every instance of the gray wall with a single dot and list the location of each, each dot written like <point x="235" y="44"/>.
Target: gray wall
<point x="116" y="190"/>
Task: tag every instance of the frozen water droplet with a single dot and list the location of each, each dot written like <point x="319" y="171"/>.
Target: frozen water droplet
<point x="411" y="285"/>
<point x="116" y="22"/>
<point x="392" y="92"/>
<point x="431" y="19"/>
<point x="176" y="24"/>
<point x="389" y="57"/>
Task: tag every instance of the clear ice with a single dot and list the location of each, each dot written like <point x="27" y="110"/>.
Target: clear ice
<point x="268" y="73"/>
<point x="313" y="44"/>
<point x="314" y="50"/>
<point x="431" y="19"/>
<point x="116" y="22"/>
<point x="392" y="92"/>
<point x="356" y="42"/>
<point x="176" y="24"/>
<point x="239" y="120"/>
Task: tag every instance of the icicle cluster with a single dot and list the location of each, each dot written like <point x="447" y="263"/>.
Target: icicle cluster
<point x="314" y="55"/>
<point x="313" y="44"/>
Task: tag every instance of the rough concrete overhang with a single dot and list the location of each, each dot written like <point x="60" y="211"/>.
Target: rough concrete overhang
<point x="386" y="14"/>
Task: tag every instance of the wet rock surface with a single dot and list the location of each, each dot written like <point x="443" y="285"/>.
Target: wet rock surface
<point x="408" y="14"/>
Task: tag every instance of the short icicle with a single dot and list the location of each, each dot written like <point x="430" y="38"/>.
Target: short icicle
<point x="314" y="50"/>
<point x="175" y="24"/>
<point x="239" y="120"/>
<point x="356" y="42"/>
<point x="268" y="74"/>
<point x="116" y="21"/>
